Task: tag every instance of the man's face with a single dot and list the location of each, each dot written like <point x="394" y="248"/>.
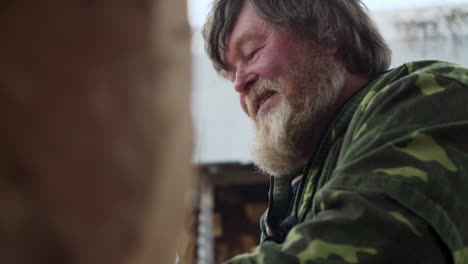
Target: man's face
<point x="287" y="85"/>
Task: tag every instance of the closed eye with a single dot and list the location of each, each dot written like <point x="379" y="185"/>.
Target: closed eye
<point x="252" y="54"/>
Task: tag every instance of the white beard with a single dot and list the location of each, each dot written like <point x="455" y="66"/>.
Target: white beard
<point x="285" y="138"/>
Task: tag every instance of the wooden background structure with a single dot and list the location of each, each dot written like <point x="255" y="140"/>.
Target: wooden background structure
<point x="95" y="132"/>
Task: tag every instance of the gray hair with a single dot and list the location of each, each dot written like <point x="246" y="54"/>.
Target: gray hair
<point x="362" y="49"/>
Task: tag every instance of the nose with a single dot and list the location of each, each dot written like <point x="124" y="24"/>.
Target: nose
<point x="244" y="80"/>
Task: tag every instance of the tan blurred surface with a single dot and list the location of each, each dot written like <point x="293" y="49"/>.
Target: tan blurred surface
<point x="94" y="130"/>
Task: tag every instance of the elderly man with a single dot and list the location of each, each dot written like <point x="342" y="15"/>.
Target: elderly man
<point x="368" y="165"/>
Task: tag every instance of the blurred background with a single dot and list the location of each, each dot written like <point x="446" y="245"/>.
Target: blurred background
<point x="232" y="194"/>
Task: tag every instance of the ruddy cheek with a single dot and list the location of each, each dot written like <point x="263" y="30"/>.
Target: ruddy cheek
<point x="271" y="69"/>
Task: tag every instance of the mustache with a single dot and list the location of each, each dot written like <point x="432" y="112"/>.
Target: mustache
<point x="259" y="89"/>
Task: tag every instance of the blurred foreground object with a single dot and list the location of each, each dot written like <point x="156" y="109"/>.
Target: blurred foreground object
<point x="95" y="130"/>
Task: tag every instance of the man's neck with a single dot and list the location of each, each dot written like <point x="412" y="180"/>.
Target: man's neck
<point x="352" y="83"/>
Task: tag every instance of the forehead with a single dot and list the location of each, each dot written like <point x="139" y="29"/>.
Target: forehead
<point x="248" y="24"/>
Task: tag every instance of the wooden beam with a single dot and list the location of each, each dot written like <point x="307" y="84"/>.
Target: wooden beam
<point x="233" y="174"/>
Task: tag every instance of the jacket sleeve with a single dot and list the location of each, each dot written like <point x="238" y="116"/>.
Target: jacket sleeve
<point x="398" y="192"/>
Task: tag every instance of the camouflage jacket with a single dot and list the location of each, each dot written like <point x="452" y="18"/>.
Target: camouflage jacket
<point x="387" y="184"/>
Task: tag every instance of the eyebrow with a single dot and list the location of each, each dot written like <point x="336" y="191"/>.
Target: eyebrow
<point x="246" y="37"/>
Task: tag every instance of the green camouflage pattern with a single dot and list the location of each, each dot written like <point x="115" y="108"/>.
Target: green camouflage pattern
<point x="389" y="181"/>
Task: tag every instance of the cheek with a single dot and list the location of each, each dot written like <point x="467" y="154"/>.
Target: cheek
<point x="272" y="66"/>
